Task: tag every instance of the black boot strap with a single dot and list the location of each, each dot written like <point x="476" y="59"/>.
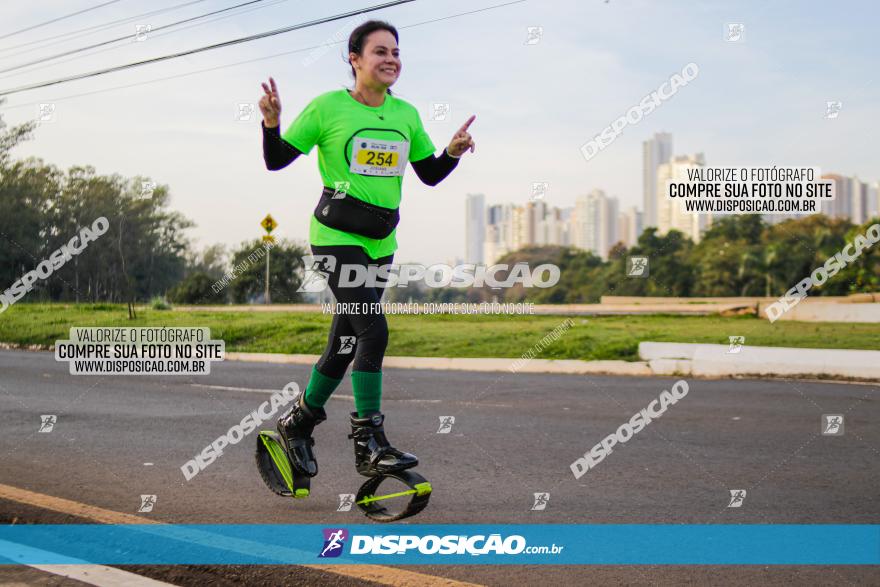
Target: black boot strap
<point x="382" y="452"/>
<point x="301" y="447"/>
<point x="301" y="453"/>
<point x="366" y="432"/>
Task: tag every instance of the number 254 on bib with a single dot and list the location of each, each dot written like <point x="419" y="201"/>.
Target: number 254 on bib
<point x="378" y="157"/>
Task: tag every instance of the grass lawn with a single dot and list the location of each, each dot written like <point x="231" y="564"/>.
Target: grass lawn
<point x="590" y="338"/>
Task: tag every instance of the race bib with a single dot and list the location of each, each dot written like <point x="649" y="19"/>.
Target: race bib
<point x="378" y="157"/>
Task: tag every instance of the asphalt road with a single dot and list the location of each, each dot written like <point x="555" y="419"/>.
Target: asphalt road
<point x="513" y="435"/>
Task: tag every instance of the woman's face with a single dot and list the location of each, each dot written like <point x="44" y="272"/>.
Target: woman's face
<point x="380" y="62"/>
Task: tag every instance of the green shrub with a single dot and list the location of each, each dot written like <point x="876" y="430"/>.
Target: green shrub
<point x="196" y="289"/>
<point x="160" y="303"/>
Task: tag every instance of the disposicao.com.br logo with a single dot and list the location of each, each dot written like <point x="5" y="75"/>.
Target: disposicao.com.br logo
<point x="334" y="542"/>
<point x="454" y="544"/>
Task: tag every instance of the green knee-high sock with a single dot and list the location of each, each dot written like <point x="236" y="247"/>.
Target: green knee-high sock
<point x="367" y="391"/>
<point x="320" y="388"/>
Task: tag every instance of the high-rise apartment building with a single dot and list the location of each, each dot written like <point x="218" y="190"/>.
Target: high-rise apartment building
<point x="594" y="223"/>
<point x="655" y="152"/>
<point x="474" y="227"/>
<point x="670" y="213"/>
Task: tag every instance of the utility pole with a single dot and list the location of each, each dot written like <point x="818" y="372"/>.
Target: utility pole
<point x="268" y="257"/>
<point x="269" y="225"/>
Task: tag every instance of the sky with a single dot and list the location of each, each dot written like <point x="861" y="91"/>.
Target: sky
<point x="760" y="101"/>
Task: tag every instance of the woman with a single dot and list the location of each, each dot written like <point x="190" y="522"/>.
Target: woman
<point x="365" y="136"/>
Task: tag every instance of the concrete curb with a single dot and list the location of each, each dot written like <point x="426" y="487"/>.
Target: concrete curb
<point x="716" y="360"/>
<point x="561" y="366"/>
<point x="829" y="312"/>
<point x="660" y="359"/>
<point x="429" y="308"/>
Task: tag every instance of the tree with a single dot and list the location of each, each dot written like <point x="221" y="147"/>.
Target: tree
<point x="43" y="208"/>
<point x="669" y="267"/>
<point x="862" y="274"/>
<point x="249" y="267"/>
<point x="24" y="189"/>
<point x="142" y="254"/>
<point x="799" y="246"/>
<point x="728" y="260"/>
<point x="196" y="288"/>
<point x="211" y="261"/>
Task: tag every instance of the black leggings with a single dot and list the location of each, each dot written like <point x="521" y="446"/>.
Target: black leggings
<point x="360" y="336"/>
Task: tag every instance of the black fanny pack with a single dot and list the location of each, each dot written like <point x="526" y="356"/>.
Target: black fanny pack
<point x="350" y="214"/>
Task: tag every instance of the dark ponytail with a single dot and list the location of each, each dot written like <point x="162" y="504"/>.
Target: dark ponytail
<point x="358" y="38"/>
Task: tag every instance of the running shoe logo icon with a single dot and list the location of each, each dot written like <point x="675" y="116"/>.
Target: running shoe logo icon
<point x="47" y="112"/>
<point x="339" y="191"/>
<point x="446" y="423"/>
<point x="439" y="111"/>
<point x="735" y="32"/>
<point x="334" y="542"/>
<point x="637" y="267"/>
<point x="541" y="500"/>
<point x="47" y="422"/>
<point x="346" y="344"/>
<point x="736" y="344"/>
<point x="147" y="503"/>
<point x="737" y="497"/>
<point x="534" y="34"/>
<point x="317" y="269"/>
<point x="346" y="500"/>
<point x="832" y="424"/>
<point x="539" y="190"/>
<point x="833" y="108"/>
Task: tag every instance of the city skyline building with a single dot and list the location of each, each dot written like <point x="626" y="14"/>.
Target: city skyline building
<point x="655" y="152"/>
<point x="474" y="227"/>
<point x="670" y="214"/>
<point x="596" y="222"/>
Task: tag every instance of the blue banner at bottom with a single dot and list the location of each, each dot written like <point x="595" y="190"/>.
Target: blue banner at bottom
<point x="456" y="544"/>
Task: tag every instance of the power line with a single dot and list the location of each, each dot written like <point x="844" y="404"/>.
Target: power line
<point x="106" y="25"/>
<point x="126" y="37"/>
<point x="206" y="48"/>
<point x="152" y="36"/>
<point x="42" y="24"/>
<point x="248" y="61"/>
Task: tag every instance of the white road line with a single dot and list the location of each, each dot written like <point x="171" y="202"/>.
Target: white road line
<point x="334" y="396"/>
<point x="392" y="576"/>
<point x="77" y="569"/>
<point x="228" y="388"/>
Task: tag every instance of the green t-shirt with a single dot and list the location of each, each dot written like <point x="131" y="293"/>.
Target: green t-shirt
<point x="373" y="168"/>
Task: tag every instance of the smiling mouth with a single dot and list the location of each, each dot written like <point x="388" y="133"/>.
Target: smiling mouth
<point x="388" y="70"/>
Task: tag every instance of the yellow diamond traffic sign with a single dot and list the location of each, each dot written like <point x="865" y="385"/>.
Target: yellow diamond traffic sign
<point x="269" y="223"/>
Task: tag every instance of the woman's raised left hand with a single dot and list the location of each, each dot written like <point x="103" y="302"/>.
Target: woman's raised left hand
<point x="462" y="141"/>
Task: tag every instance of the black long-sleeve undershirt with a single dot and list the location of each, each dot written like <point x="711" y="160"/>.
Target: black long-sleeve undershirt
<point x="278" y="154"/>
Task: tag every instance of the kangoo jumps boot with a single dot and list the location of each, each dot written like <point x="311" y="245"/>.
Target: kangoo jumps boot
<point x="373" y="455"/>
<point x="296" y="428"/>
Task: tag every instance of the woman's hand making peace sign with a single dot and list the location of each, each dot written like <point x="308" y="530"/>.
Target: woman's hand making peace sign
<point x="270" y="105"/>
<point x="462" y="140"/>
